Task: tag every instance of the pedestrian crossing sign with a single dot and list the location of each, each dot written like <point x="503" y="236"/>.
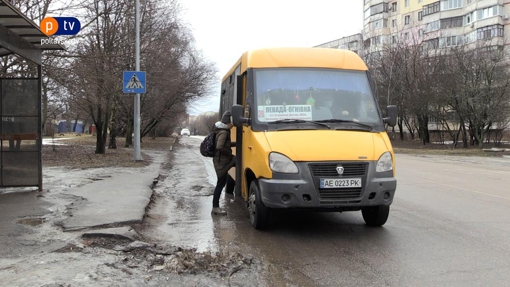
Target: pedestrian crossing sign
<point x="134" y="82"/>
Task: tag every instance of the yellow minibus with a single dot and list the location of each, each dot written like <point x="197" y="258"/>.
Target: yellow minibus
<point x="309" y="134"/>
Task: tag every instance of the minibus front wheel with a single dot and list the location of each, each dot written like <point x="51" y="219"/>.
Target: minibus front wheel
<point x="376" y="215"/>
<point x="259" y="213"/>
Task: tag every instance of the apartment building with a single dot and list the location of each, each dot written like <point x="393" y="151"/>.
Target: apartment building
<point x="353" y="43"/>
<point x="430" y="23"/>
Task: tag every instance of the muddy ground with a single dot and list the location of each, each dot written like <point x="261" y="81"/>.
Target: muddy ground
<point x="37" y="252"/>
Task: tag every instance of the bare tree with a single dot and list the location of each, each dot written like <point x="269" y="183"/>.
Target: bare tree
<point x="83" y="82"/>
<point x="404" y="72"/>
<point x="178" y="74"/>
<point x="485" y="94"/>
<point x="204" y="122"/>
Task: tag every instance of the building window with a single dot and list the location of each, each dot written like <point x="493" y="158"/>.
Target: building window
<point x="431" y="8"/>
<point x="432" y="44"/>
<point x="352" y="45"/>
<point x="487" y="12"/>
<point x="470" y="37"/>
<point x="451" y="22"/>
<point x="407" y="20"/>
<point x="420" y="15"/>
<point x="450" y="41"/>
<point x="489" y="32"/>
<point x="394" y="6"/>
<point x="432" y="26"/>
<point x="378" y="24"/>
<point x="376" y="9"/>
<point x="450" y="4"/>
<point x="376" y="40"/>
<point x="393" y="39"/>
<point x="469" y="18"/>
<point x="375" y="25"/>
<point x="393" y="23"/>
<point x="406" y="3"/>
<point x="367" y="43"/>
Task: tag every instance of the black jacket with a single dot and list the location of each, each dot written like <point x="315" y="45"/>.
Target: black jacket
<point x="223" y="157"/>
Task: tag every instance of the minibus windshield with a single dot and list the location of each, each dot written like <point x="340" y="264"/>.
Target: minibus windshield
<point x="310" y="94"/>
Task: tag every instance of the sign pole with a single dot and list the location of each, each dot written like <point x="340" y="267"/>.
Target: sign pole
<point x="136" y="143"/>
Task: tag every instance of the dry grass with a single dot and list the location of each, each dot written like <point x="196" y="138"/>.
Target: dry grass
<point x="79" y="152"/>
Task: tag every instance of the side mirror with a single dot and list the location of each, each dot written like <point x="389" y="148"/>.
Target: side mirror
<point x="391" y="113"/>
<point x="237" y="116"/>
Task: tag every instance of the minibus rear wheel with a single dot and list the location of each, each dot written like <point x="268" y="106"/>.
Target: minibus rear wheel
<point x="376" y="215"/>
<point x="259" y="213"/>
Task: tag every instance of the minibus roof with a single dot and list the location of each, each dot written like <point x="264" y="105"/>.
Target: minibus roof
<point x="299" y="57"/>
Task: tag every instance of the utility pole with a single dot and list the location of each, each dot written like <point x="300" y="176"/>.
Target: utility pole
<point x="137" y="156"/>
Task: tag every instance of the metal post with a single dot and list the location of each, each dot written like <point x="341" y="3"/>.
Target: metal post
<point x="136" y="143"/>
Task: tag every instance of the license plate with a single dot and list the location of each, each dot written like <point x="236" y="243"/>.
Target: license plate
<point x="340" y="183"/>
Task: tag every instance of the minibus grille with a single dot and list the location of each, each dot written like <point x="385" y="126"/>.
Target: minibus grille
<point x="339" y="194"/>
<point x="329" y="169"/>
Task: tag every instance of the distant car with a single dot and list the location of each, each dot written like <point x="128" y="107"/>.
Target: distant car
<point x="185" y="132"/>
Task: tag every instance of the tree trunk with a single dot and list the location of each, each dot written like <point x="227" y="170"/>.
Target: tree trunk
<point x="113" y="125"/>
<point x="400" y="128"/>
<point x="100" y="145"/>
<point x="129" y="134"/>
<point x="85" y="123"/>
<point x="409" y="127"/>
<point x="101" y="131"/>
<point x="154" y="133"/>
<point x="464" y="134"/>
<point x="472" y="134"/>
<point x="423" y="123"/>
<point x="105" y="133"/>
<point x="76" y="122"/>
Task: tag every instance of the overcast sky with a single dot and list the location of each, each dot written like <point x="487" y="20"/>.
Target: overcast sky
<point x="224" y="29"/>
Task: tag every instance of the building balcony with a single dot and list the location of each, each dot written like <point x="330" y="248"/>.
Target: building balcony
<point x="456" y="31"/>
<point x="452" y="13"/>
<point x="488" y="22"/>
<point x="370" y="3"/>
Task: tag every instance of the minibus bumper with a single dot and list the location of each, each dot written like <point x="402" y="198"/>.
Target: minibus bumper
<point x="302" y="191"/>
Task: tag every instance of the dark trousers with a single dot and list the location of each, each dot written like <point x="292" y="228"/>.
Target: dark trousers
<point x="222" y="181"/>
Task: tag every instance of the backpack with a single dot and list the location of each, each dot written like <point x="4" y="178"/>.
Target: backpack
<point x="208" y="145"/>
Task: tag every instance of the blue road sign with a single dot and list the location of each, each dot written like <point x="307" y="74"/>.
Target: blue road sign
<point x="134" y="82"/>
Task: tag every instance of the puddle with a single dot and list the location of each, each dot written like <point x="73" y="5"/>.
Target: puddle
<point x="31" y="221"/>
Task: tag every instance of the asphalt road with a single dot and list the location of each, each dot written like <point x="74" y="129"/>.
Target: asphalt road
<point x="448" y="226"/>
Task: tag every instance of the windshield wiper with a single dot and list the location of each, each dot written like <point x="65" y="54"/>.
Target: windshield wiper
<point x="345" y="121"/>
<point x="319" y="123"/>
<point x="288" y="121"/>
<point x="292" y="121"/>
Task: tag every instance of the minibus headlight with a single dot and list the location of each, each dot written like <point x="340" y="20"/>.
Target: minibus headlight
<point x="385" y="163"/>
<point x="280" y="163"/>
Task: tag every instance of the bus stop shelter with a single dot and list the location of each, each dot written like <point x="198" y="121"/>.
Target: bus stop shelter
<point x="20" y="94"/>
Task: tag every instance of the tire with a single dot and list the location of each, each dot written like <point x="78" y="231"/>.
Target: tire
<point x="231" y="184"/>
<point x="376" y="215"/>
<point x="259" y="213"/>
